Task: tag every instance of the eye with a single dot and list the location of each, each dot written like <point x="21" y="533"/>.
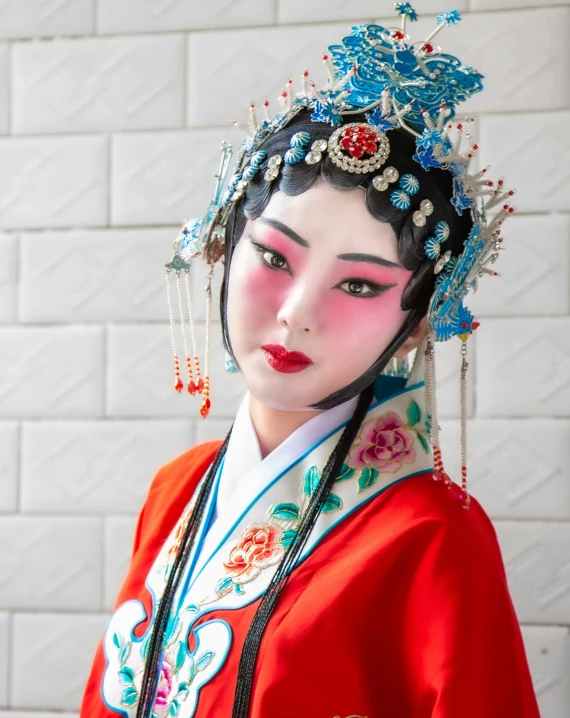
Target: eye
<point x="270" y="258"/>
<point x="360" y="288"/>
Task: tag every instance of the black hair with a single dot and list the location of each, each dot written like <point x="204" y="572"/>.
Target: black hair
<point x="435" y="185"/>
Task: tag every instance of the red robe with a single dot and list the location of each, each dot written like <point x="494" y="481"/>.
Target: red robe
<point x="401" y="611"/>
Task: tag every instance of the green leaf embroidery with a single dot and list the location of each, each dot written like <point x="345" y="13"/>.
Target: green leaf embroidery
<point x="346" y="472"/>
<point x="311" y="481"/>
<point x="204" y="660"/>
<point x="129" y="697"/>
<point x="367" y="478"/>
<point x="192" y="608"/>
<point x="191" y="670"/>
<point x="180" y="656"/>
<point x="414" y="413"/>
<point x="288" y="538"/>
<point x="145" y="647"/>
<point x="238" y="589"/>
<point x="182" y="694"/>
<point x="124" y="653"/>
<point x="286" y="511"/>
<point x="171" y="628"/>
<point x="116" y="640"/>
<point x="126" y="676"/>
<point x="332" y="503"/>
<point x="224" y="583"/>
<point x="174" y="708"/>
<point x="423" y="441"/>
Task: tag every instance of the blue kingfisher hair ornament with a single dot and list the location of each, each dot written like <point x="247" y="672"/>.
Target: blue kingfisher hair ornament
<point x="395" y="83"/>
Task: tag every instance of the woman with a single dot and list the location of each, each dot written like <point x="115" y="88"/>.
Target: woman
<point x="319" y="561"/>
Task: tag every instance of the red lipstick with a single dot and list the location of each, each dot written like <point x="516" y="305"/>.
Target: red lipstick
<point x="284" y="361"/>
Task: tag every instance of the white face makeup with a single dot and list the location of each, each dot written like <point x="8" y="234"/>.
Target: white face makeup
<point x="314" y="274"/>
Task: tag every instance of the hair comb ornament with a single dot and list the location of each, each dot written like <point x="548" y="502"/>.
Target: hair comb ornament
<point x="379" y="72"/>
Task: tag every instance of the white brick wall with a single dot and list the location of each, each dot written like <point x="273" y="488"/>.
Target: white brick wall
<point x="111" y="117"/>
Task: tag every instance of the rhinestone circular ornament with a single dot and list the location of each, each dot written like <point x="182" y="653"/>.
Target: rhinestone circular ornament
<point x="419" y="219"/>
<point x="275" y="161"/>
<point x="383" y="181"/>
<point x="358" y="147"/>
<point x="319" y="145"/>
<point x="391" y="174"/>
<point x="312" y="157"/>
<point x="380" y="183"/>
<point x="441" y="262"/>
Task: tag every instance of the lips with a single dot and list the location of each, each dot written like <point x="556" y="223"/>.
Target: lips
<point x="283" y="361"/>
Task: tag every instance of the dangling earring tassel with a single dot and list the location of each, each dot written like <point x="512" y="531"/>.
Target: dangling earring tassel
<point x="206" y="404"/>
<point x="439" y="473"/>
<point x="183" y="327"/>
<point x="464" y="495"/>
<point x="193" y="387"/>
<point x="178" y="385"/>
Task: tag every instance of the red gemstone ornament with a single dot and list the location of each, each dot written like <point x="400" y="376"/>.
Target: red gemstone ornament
<point x="179" y="385"/>
<point x="358" y="141"/>
<point x="192" y="388"/>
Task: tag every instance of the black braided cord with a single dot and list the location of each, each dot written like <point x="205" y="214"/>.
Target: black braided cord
<point x="154" y="656"/>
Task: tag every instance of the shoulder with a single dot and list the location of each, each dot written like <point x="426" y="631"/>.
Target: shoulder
<point x="428" y="519"/>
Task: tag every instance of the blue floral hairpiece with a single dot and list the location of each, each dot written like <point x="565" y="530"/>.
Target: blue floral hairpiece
<point x="395" y="83"/>
<point x="409" y="186"/>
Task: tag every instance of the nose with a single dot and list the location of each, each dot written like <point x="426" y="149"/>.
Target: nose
<point x="299" y="309"/>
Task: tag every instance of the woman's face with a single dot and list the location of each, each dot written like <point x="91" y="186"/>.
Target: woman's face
<point x="315" y="274"/>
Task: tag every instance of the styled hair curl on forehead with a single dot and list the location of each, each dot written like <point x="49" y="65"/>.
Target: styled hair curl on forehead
<point x="435" y="185"/>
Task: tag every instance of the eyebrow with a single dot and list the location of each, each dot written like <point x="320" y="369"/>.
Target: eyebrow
<point x="348" y="257"/>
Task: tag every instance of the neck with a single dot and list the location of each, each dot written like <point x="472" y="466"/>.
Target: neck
<point x="273" y="426"/>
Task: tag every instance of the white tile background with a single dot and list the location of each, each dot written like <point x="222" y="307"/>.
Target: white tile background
<point x="111" y="117"/>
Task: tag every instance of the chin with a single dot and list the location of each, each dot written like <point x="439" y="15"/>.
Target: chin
<point x="284" y="392"/>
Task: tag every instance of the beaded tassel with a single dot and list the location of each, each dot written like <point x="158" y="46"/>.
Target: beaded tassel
<point x="206" y="404"/>
<point x="178" y="385"/>
<point x="439" y="473"/>
<point x="183" y="328"/>
<point x="464" y="496"/>
<point x="193" y="387"/>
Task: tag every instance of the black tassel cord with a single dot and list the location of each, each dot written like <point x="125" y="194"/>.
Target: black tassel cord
<point x="246" y="671"/>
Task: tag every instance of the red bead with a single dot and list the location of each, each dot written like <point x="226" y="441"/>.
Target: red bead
<point x="179" y="385"/>
<point x="474" y="325"/>
<point x="460" y="126"/>
<point x="192" y="388"/>
<point x="200" y="386"/>
<point x="205" y="408"/>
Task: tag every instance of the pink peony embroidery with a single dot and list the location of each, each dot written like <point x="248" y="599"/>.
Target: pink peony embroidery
<point x="384" y="444"/>
<point x="258" y="547"/>
<point x="162" y="702"/>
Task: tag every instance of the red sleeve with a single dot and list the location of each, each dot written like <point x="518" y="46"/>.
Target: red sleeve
<point x="463" y="645"/>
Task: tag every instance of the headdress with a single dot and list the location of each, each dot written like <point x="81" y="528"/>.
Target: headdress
<point x="395" y="83"/>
